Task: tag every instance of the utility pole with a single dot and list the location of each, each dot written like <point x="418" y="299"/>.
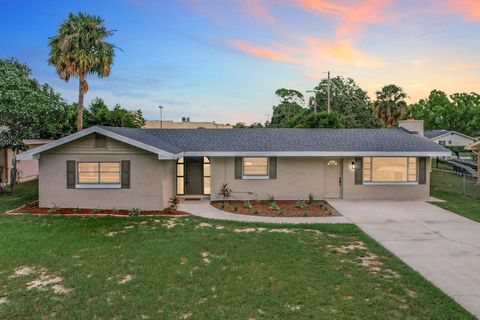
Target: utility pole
<point x="161" y="116"/>
<point x="328" y="92"/>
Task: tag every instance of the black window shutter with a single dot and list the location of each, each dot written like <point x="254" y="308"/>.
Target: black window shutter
<point x="71" y="174"/>
<point x="272" y="167"/>
<point x="238" y="167"/>
<point x="422" y="170"/>
<point x="358" y="171"/>
<point x="125" y="174"/>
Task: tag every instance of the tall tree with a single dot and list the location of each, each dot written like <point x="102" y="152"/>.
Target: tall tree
<point x="28" y="109"/>
<point x="459" y="112"/>
<point x="351" y="102"/>
<point x="291" y="104"/>
<point x="80" y="48"/>
<point x="390" y="105"/>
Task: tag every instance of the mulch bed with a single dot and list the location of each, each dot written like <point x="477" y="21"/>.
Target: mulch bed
<point x="33" y="208"/>
<point x="287" y="208"/>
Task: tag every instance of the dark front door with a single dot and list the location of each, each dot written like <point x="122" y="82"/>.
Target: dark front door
<point x="194" y="175"/>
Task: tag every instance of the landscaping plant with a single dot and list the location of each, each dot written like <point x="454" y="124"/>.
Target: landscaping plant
<point x="247" y="204"/>
<point x="301" y="204"/>
<point x="54" y="209"/>
<point x="134" y="212"/>
<point x="173" y="202"/>
<point x="235" y="206"/>
<point x="311" y="198"/>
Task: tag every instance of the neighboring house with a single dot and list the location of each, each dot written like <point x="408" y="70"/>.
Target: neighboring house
<point x="184" y="124"/>
<point x="449" y="138"/>
<point x="28" y="169"/>
<point x="108" y="167"/>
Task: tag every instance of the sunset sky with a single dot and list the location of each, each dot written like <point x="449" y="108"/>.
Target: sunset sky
<point x="223" y="60"/>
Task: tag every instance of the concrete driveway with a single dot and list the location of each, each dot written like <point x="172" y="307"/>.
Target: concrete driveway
<point x="442" y="246"/>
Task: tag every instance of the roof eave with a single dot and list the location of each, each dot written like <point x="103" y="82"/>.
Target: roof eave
<point x="314" y="153"/>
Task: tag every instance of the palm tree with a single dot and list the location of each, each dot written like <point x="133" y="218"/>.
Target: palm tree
<point x="390" y="105"/>
<point x="79" y="49"/>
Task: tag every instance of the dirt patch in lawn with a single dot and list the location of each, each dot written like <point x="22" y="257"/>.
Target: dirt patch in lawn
<point x="280" y="208"/>
<point x="33" y="208"/>
<point x="44" y="280"/>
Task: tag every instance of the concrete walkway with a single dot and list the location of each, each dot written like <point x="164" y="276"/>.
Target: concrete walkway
<point x="442" y="246"/>
<point x="205" y="210"/>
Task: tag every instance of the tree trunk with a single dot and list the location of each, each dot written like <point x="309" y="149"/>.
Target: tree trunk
<point x="80" y="103"/>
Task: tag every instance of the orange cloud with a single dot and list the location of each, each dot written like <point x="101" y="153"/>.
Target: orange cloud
<point x="462" y="67"/>
<point x="344" y="51"/>
<point x="470" y="7"/>
<point x="256" y="9"/>
<point x="351" y="16"/>
<point x="261" y="52"/>
<point x="312" y="53"/>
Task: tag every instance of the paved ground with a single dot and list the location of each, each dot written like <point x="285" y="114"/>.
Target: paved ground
<point x="204" y="209"/>
<point x="442" y="246"/>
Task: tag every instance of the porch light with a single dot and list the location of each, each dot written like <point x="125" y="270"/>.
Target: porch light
<point x="353" y="165"/>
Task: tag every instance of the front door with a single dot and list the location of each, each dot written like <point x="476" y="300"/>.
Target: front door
<point x="194" y="175"/>
<point x="333" y="178"/>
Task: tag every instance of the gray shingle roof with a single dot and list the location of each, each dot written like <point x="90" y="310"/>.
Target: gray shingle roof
<point x="280" y="140"/>
<point x="430" y="134"/>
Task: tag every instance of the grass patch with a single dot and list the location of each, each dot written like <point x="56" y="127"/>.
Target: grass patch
<point x="22" y="193"/>
<point x="463" y="205"/>
<point x="187" y="267"/>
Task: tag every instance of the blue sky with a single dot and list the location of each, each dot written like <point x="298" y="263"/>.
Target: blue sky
<point x="223" y="60"/>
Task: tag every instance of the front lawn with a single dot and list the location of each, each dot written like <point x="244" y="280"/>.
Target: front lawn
<point x="22" y="193"/>
<point x="463" y="205"/>
<point x="191" y="268"/>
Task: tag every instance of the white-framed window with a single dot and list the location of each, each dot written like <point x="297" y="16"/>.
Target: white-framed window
<point x="390" y="170"/>
<point x="98" y="174"/>
<point x="255" y="168"/>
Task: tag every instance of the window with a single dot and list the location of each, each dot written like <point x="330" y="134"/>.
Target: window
<point x="332" y="163"/>
<point x="99" y="173"/>
<point x="255" y="167"/>
<point x="389" y="169"/>
<point x="206" y="175"/>
<point x="181" y="176"/>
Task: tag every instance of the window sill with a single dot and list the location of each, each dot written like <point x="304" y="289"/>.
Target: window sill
<point x="255" y="177"/>
<point x="98" y="186"/>
<point x="411" y="183"/>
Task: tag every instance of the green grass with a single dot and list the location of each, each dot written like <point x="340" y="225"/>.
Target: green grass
<point x="463" y="205"/>
<point x="261" y="275"/>
<point x="22" y="193"/>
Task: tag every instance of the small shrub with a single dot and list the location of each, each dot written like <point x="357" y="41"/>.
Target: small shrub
<point x="235" y="206"/>
<point x="274" y="206"/>
<point x="225" y="192"/>
<point x="173" y="201"/>
<point x="76" y="210"/>
<point x="115" y="210"/>
<point x="256" y="211"/>
<point x="311" y="198"/>
<point x="247" y="204"/>
<point x="301" y="204"/>
<point x="223" y="204"/>
<point x="270" y="198"/>
<point x="134" y="212"/>
<point x="282" y="212"/>
<point x="96" y="210"/>
<point x="54" y="209"/>
<point x="305" y="213"/>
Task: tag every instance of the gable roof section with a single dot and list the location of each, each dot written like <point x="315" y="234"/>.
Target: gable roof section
<point x="174" y="143"/>
<point x="435" y="134"/>
<point x="430" y="134"/>
<point x="33" y="153"/>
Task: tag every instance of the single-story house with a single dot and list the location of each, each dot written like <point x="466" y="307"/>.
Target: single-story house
<point x="126" y="168"/>
<point x="27" y="169"/>
<point x="449" y="138"/>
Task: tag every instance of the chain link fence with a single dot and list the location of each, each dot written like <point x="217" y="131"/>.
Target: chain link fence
<point x="447" y="180"/>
